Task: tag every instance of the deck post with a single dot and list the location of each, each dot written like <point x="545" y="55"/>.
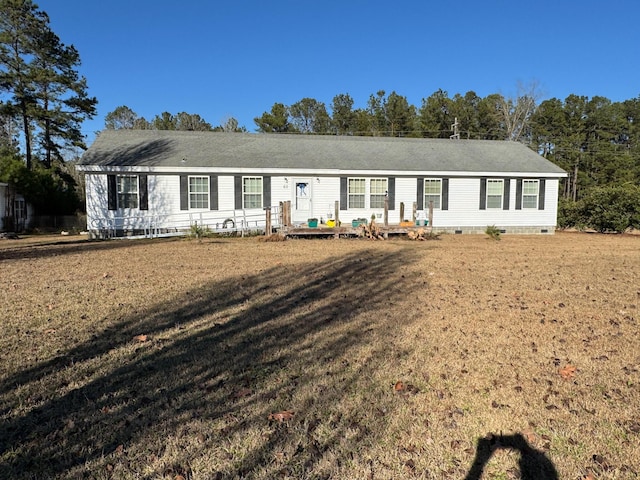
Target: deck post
<point x="267" y="223"/>
<point x="431" y="213"/>
<point x="415" y="212"/>
<point x="337" y="218"/>
<point x="281" y="214"/>
<point x="402" y="211"/>
<point x="287" y="213"/>
<point x="386" y="211"/>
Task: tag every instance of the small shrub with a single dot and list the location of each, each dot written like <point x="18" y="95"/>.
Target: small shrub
<point x="199" y="231"/>
<point x="493" y="232"/>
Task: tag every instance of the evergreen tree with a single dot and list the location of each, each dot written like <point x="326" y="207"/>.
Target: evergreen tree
<point x="310" y="116"/>
<point x="343" y="116"/>
<point x="399" y="116"/>
<point x="122" y="118"/>
<point x="276" y="121"/>
<point x="38" y="75"/>
<point x="436" y="116"/>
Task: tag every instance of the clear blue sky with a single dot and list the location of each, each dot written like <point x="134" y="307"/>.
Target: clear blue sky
<point x="222" y="58"/>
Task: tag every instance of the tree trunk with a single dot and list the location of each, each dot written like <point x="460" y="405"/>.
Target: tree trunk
<point x="27" y="133"/>
<point x="575" y="182"/>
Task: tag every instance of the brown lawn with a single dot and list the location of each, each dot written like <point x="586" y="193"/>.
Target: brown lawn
<point x="318" y="359"/>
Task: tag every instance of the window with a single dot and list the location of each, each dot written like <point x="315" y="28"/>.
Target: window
<point x="127" y="189"/>
<point x="495" y="190"/>
<point x="356" y="192"/>
<point x="20" y="208"/>
<point x="198" y="192"/>
<point x="530" y="189"/>
<point x="432" y="192"/>
<point x="378" y="191"/>
<point x="252" y="192"/>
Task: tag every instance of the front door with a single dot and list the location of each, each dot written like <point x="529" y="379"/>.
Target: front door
<point x="302" y="201"/>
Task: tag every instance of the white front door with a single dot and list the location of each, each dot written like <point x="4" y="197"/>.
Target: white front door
<point x="302" y="208"/>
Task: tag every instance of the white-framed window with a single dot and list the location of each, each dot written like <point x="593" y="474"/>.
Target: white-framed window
<point x="127" y="190"/>
<point x="20" y="208"/>
<point x="252" y="192"/>
<point x="198" y="192"/>
<point x="377" y="192"/>
<point x="495" y="190"/>
<point x="432" y="192"/>
<point x="357" y="192"/>
<point x="530" y="191"/>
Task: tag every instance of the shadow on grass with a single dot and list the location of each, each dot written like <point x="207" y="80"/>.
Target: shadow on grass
<point x="35" y="250"/>
<point x="224" y="356"/>
<point x="534" y="465"/>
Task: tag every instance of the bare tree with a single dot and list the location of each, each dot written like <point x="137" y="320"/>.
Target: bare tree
<point x="516" y="111"/>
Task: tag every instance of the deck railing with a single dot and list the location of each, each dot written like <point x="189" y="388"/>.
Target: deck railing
<point x="240" y="222"/>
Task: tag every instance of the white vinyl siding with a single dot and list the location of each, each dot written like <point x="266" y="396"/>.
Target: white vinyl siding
<point x="357" y="192"/>
<point x="198" y="192"/>
<point x="378" y="192"/>
<point x="252" y="192"/>
<point x="432" y="192"/>
<point x="127" y="190"/>
<point x="495" y="190"/>
<point x="530" y="190"/>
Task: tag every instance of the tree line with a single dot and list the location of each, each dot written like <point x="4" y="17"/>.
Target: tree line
<point x="124" y="118"/>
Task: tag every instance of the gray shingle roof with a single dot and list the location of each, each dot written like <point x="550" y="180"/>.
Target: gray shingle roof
<point x="153" y="148"/>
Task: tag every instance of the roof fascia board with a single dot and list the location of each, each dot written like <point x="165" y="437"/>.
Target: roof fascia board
<point x="313" y="172"/>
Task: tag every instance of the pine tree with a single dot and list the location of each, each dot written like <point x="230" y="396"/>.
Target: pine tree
<point x="39" y="79"/>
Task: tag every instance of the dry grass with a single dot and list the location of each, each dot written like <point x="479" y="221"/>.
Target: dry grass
<point x="164" y="359"/>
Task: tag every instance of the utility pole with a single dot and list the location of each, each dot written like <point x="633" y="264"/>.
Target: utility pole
<point x="454" y="129"/>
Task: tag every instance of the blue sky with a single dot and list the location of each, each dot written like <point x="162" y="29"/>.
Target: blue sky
<point x="236" y="58"/>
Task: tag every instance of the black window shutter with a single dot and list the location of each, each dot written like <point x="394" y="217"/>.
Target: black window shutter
<point x="143" y="191"/>
<point x="420" y="193"/>
<point x="507" y="192"/>
<point x="112" y="195"/>
<point x="391" y="192"/>
<point x="483" y="194"/>
<point x="237" y="188"/>
<point x="445" y="194"/>
<point x="541" y="194"/>
<point x="343" y="193"/>
<point x="519" y="194"/>
<point x="184" y="192"/>
<point x="213" y="192"/>
<point x="266" y="191"/>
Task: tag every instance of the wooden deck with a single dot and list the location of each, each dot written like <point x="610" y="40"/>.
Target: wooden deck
<point x="347" y="231"/>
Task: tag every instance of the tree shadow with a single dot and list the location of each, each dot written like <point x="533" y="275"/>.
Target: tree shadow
<point x="70" y="247"/>
<point x="533" y="464"/>
<point x="270" y="334"/>
<point x="133" y="153"/>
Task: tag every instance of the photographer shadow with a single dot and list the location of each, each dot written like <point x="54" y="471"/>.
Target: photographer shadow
<point x="534" y="464"/>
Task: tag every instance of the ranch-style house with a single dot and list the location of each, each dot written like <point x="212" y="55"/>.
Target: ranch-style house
<point x="142" y="181"/>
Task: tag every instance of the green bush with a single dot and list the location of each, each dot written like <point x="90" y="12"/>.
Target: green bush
<point x="493" y="232"/>
<point x="199" y="231"/>
<point x="570" y="214"/>
<point x="611" y="208"/>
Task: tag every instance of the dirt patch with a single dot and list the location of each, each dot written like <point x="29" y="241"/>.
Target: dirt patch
<point x="339" y="359"/>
